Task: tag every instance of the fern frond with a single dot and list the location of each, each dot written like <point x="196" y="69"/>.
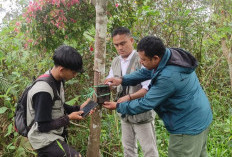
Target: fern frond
<point x="4" y="84"/>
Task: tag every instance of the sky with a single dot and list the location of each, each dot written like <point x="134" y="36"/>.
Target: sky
<point x="6" y="6"/>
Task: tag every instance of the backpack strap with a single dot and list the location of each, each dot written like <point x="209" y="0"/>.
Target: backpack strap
<point x="50" y="80"/>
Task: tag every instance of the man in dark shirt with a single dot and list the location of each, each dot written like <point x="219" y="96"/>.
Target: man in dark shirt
<point x="51" y="116"/>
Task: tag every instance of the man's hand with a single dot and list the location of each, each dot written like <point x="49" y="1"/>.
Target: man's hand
<point x="76" y="115"/>
<point x="113" y="81"/>
<point x="110" y="105"/>
<point x="124" y="98"/>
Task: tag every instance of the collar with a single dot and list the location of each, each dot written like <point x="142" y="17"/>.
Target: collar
<point x="57" y="81"/>
<point x="163" y="61"/>
<point x="129" y="57"/>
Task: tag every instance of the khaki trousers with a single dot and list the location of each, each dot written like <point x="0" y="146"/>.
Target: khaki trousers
<point x="144" y="133"/>
<point x="181" y="145"/>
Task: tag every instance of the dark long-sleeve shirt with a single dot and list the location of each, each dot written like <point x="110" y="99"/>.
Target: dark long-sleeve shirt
<point x="42" y="104"/>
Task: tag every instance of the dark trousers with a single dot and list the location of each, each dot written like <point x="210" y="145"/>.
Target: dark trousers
<point x="57" y="149"/>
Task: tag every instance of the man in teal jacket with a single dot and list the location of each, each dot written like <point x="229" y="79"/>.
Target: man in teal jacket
<point x="175" y="94"/>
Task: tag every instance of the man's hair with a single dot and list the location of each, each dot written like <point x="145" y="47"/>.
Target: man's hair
<point x="120" y="31"/>
<point x="68" y="57"/>
<point x="152" y="46"/>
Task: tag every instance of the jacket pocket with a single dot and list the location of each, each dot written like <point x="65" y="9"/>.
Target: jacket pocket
<point x="140" y="118"/>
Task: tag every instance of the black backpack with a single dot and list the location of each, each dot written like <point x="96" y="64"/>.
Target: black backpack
<point x="20" y="117"/>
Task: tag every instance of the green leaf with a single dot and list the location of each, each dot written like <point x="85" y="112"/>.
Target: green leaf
<point x="3" y="110"/>
<point x="88" y="37"/>
<point x="73" y="101"/>
<point x="63" y="31"/>
<point x="225" y="29"/>
<point x="59" y="144"/>
<point x="147" y="8"/>
<point x="187" y="12"/>
<point x="9" y="131"/>
<point x="1" y="55"/>
<point x="10" y="146"/>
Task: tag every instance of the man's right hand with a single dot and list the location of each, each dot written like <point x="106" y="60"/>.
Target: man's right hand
<point x="110" y="105"/>
<point x="76" y="115"/>
<point x="113" y="81"/>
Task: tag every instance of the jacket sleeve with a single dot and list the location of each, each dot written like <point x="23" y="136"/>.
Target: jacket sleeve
<point x="136" y="77"/>
<point x="69" y="109"/>
<point x="159" y="92"/>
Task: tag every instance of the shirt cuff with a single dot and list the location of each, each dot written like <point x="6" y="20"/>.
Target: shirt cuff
<point x="117" y="105"/>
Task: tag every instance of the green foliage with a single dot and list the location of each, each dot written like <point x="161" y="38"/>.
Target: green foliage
<point x="186" y="29"/>
<point x="17" y="64"/>
<point x="161" y="137"/>
<point x="219" y="143"/>
<point x="51" y="23"/>
<point x="111" y="135"/>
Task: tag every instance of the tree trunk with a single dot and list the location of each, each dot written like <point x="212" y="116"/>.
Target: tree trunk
<point x="227" y="52"/>
<point x="99" y="74"/>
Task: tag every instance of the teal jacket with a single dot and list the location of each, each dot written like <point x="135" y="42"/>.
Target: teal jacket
<point x="175" y="94"/>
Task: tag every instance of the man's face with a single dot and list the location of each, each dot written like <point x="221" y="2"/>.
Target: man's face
<point x="67" y="74"/>
<point x="123" y="44"/>
<point x="149" y="63"/>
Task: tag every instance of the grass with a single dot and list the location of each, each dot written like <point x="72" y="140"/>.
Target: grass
<point x="219" y="139"/>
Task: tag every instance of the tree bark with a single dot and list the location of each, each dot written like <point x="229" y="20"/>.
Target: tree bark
<point x="227" y="52"/>
<point x="99" y="74"/>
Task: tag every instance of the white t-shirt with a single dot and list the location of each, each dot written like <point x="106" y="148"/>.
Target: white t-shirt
<point x="124" y="65"/>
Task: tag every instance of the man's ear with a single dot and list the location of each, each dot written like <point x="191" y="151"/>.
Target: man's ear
<point x="156" y="58"/>
<point x="132" y="40"/>
<point x="60" y="68"/>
